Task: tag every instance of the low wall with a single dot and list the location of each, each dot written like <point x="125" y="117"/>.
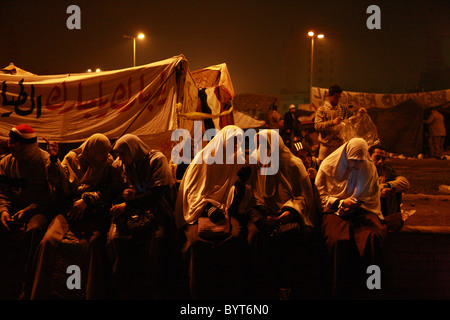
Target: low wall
<point x="417" y="263"/>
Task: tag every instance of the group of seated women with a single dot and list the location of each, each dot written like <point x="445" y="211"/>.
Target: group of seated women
<point x="226" y="231"/>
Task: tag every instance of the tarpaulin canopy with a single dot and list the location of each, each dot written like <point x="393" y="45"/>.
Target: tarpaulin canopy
<point x="144" y="100"/>
<point x="400" y="128"/>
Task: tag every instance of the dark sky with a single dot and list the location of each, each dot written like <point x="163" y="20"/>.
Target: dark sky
<point x="250" y="36"/>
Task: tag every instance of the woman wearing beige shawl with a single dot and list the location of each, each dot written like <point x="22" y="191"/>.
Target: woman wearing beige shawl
<point x="283" y="212"/>
<point x="141" y="240"/>
<point x="214" y="244"/>
<point x="352" y="224"/>
<point x="88" y="182"/>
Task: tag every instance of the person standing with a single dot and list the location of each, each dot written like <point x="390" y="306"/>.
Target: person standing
<point x="274" y="120"/>
<point x="327" y="117"/>
<point x="437" y="133"/>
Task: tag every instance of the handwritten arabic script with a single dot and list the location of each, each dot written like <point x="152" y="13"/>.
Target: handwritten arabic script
<point x="19" y="102"/>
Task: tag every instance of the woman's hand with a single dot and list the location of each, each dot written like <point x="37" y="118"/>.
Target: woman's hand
<point x="78" y="209"/>
<point x="118" y="209"/>
<point x="128" y="194"/>
<point x="348" y="206"/>
<point x="286" y="217"/>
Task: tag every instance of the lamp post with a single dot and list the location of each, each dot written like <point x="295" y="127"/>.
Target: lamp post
<point x="312" y="36"/>
<point x="139" y="36"/>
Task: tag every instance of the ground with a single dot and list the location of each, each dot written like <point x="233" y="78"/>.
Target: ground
<point x="428" y="194"/>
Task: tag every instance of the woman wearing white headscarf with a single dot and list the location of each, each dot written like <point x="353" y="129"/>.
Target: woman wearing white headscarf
<point x="89" y="183"/>
<point x="352" y="225"/>
<point x="283" y="212"/>
<point x="214" y="245"/>
<point x="141" y="237"/>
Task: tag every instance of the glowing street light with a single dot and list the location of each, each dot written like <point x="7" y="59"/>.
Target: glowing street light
<point x="312" y="36"/>
<point x="139" y="36"/>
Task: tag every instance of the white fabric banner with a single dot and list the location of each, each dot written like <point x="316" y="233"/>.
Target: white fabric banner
<point x="381" y="100"/>
<point x="71" y="107"/>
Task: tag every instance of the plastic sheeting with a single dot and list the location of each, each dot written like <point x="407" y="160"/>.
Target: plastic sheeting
<point x="359" y="126"/>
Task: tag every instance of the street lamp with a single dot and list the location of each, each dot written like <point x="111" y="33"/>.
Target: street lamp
<point x="312" y="36"/>
<point x="139" y="36"/>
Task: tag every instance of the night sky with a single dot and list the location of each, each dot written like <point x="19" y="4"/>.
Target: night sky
<point x="250" y="36"/>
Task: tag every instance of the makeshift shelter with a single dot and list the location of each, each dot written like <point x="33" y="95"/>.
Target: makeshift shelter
<point x="255" y="105"/>
<point x="145" y="100"/>
<point x="400" y="128"/>
<point x="305" y="113"/>
<point x="12" y="69"/>
<point x="216" y="95"/>
<point x="244" y="121"/>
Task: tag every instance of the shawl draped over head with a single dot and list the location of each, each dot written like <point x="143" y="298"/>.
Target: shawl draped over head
<point x="207" y="180"/>
<point x="335" y="180"/>
<point x="148" y="168"/>
<point x="290" y="187"/>
<point x="80" y="167"/>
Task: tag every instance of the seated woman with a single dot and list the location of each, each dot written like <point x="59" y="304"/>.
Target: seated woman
<point x="352" y="222"/>
<point x="214" y="246"/>
<point x="79" y="232"/>
<point x="282" y="214"/>
<point x="141" y="237"/>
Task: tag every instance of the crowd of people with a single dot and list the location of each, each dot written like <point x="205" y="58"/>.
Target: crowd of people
<point x="225" y="231"/>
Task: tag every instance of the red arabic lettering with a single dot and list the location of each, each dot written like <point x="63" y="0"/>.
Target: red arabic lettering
<point x="55" y="95"/>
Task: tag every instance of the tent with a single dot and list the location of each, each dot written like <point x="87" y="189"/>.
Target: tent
<point x="145" y="100"/>
<point x="12" y="69"/>
<point x="400" y="128"/>
<point x="255" y="105"/>
<point x="244" y="121"/>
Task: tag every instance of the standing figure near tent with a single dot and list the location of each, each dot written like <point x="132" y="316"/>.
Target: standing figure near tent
<point x="27" y="177"/>
<point x="327" y="117"/>
<point x="291" y="130"/>
<point x="273" y="119"/>
<point x="282" y="214"/>
<point x="352" y="222"/>
<point x="437" y="133"/>
<point x="141" y="240"/>
<point x="78" y="234"/>
<point x="206" y="210"/>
